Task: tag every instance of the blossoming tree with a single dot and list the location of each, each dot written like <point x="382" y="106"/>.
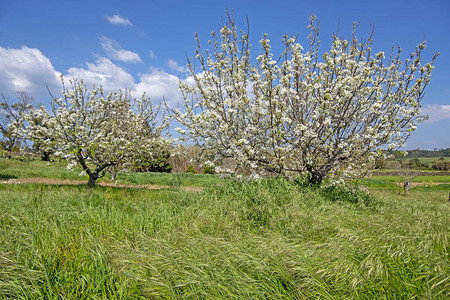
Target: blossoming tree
<point x="326" y="115"/>
<point x="95" y="130"/>
<point x="11" y="116"/>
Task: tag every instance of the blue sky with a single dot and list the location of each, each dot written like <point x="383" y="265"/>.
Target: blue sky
<point x="142" y="44"/>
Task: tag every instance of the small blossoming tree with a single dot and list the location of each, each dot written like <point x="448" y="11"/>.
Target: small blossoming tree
<point x="95" y="130"/>
<point x="11" y="116"/>
<point x="326" y="115"/>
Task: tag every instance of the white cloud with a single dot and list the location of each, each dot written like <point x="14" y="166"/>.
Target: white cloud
<point x="27" y="69"/>
<point x="158" y="84"/>
<point x="114" y="51"/>
<point x="105" y="73"/>
<point x="175" y="66"/>
<point x="119" y="20"/>
<point x="436" y="112"/>
<point x="152" y="54"/>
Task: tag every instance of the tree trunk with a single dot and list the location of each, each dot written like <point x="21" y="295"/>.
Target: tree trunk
<point x="45" y="156"/>
<point x="317" y="175"/>
<point x="406" y="186"/>
<point x="92" y="178"/>
<point x="8" y="151"/>
<point x="316" y="178"/>
<point x="113" y="173"/>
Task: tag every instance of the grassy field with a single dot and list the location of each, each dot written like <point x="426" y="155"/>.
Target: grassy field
<point x="270" y="239"/>
<point x="429" y="160"/>
<point x="16" y="169"/>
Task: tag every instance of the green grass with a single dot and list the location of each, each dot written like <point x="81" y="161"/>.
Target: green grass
<point x="424" y="179"/>
<point x="428" y="160"/>
<point x="430" y="171"/>
<point x="13" y="168"/>
<point x="394" y="184"/>
<point x="171" y="179"/>
<point x="270" y="239"/>
<point x="263" y="240"/>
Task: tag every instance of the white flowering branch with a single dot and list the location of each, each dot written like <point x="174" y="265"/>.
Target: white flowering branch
<point x="98" y="131"/>
<point x="302" y="112"/>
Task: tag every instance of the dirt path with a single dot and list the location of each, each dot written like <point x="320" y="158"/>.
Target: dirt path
<point x="414" y="184"/>
<point x="418" y="173"/>
<point x="43" y="180"/>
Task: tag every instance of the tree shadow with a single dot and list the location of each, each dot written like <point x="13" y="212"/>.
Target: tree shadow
<point x="7" y="176"/>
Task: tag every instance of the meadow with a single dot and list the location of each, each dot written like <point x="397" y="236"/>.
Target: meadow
<point x="270" y="239"/>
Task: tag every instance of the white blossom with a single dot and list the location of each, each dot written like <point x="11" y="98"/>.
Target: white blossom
<point x="324" y="114"/>
<point x="90" y="128"/>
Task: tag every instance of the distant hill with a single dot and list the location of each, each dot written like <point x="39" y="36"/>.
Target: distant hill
<point x="428" y="153"/>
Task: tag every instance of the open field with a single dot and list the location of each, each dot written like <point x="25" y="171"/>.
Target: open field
<point x="15" y="169"/>
<point x="429" y="160"/>
<point x="270" y="239"/>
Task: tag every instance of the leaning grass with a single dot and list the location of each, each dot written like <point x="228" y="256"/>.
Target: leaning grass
<point x="262" y="240"/>
<point x="170" y="179"/>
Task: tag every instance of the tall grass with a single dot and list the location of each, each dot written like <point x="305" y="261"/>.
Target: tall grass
<point x="262" y="240"/>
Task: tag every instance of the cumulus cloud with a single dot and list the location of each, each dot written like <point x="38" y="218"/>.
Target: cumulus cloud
<point x="158" y="85"/>
<point x="105" y="73"/>
<point x="152" y="54"/>
<point x="436" y="112"/>
<point x="119" y="20"/>
<point x="114" y="51"/>
<point x="175" y="66"/>
<point x="26" y="69"/>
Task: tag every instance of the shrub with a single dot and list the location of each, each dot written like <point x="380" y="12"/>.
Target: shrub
<point x="391" y="164"/>
<point x="415" y="163"/>
<point x="159" y="162"/>
<point x="442" y="165"/>
<point x="191" y="170"/>
<point x="208" y="170"/>
<point x="379" y="163"/>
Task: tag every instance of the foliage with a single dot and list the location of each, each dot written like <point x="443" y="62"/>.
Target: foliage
<point x="268" y="239"/>
<point x="92" y="128"/>
<point x="379" y="163"/>
<point x="208" y="169"/>
<point x="415" y="163"/>
<point x="190" y="170"/>
<point x="302" y="111"/>
<point x="158" y="161"/>
<point x="428" y="153"/>
<point x="442" y="165"/>
<point x="391" y="164"/>
<point x="11" y="118"/>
